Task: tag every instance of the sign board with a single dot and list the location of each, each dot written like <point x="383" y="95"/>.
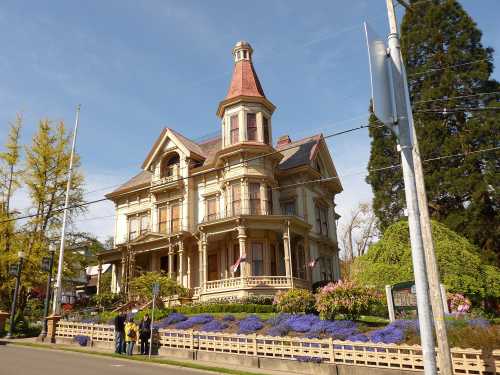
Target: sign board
<point x="383" y="100"/>
<point x="156" y="289"/>
<point x="13" y="269"/>
<point x="404" y="295"/>
<point x="45" y="264"/>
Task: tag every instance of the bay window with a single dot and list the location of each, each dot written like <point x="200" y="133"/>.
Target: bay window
<point x="251" y="127"/>
<point x="235" y="130"/>
<point x="254" y="198"/>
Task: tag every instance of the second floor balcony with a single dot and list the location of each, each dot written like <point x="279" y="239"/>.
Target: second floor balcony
<point x="170" y="178"/>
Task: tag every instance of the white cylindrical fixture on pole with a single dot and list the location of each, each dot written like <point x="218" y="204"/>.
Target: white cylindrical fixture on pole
<point x="56" y="308"/>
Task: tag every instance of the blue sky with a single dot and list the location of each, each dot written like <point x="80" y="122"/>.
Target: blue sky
<point x="137" y="66"/>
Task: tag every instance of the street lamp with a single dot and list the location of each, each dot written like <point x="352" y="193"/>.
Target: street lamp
<point x="47" y="264"/>
<point x="21" y="257"/>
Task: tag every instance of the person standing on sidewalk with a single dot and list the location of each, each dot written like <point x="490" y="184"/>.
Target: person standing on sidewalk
<point x="131" y="335"/>
<point x="145" y="333"/>
<point x="120" y="333"/>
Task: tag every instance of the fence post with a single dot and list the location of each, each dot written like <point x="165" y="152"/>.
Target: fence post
<point x="332" y="352"/>
<point x="444" y="298"/>
<point x="52" y="327"/>
<point x="390" y="303"/>
<point x="92" y="334"/>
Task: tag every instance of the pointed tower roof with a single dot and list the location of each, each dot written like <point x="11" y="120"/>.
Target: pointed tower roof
<point x="245" y="81"/>
<point x="245" y="84"/>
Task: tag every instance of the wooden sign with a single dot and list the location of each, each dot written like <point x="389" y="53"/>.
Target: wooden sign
<point x="404" y="295"/>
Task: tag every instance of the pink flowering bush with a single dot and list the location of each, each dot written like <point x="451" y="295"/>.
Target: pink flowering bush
<point x="345" y="298"/>
<point x="459" y="303"/>
<point x="294" y="301"/>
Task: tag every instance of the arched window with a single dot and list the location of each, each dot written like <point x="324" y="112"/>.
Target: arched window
<point x="169" y="166"/>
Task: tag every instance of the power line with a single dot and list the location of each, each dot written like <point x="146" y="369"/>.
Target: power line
<point x="320" y="180"/>
<point x="445" y="111"/>
<point x="457" y="97"/>
<point x="212" y="170"/>
<point x="446" y="67"/>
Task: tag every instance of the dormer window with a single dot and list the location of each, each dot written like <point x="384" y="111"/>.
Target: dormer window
<point x="235" y="130"/>
<point x="169" y="166"/>
<point x="251" y="127"/>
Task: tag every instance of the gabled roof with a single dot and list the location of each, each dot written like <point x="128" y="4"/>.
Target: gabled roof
<point x="142" y="179"/>
<point x="187" y="146"/>
<point x="298" y="153"/>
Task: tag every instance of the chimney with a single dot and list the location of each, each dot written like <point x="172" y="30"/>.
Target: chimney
<point x="283" y="141"/>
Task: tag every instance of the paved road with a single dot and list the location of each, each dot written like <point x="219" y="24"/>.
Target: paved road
<point x="18" y="360"/>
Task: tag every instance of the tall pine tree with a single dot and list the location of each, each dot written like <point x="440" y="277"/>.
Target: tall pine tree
<point x="447" y="67"/>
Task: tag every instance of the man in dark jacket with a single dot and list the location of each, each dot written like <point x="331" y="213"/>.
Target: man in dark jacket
<point x="120" y="333"/>
<point x="145" y="333"/>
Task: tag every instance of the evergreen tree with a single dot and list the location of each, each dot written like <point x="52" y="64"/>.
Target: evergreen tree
<point x="447" y="67"/>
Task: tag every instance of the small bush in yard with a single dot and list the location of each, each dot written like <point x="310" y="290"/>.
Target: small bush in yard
<point x="345" y="298"/>
<point x="214" y="326"/>
<point x="459" y="303"/>
<point x="294" y="301"/>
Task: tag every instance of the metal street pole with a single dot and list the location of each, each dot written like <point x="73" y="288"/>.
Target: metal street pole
<point x="56" y="308"/>
<point x="21" y="256"/>
<point x="405" y="138"/>
<point x="444" y="357"/>
<point x="52" y="252"/>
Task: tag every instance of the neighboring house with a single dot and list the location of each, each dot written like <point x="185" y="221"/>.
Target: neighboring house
<point x="197" y="209"/>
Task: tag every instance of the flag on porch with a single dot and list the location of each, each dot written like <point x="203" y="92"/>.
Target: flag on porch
<point x="312" y="263"/>
<point x="235" y="266"/>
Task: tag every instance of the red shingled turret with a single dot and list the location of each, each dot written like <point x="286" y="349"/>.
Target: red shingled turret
<point x="245" y="81"/>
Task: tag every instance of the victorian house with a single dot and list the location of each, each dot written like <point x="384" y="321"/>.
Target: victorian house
<point x="233" y="216"/>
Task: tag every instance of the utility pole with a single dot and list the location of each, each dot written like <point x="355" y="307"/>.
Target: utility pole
<point x="56" y="308"/>
<point x="391" y="107"/>
<point x="444" y="357"/>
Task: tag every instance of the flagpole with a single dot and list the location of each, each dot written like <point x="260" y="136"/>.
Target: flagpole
<point x="56" y="308"/>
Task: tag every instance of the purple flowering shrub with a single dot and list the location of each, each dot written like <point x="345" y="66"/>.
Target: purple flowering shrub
<point x="304" y="358"/>
<point x="388" y="335"/>
<point x="250" y="324"/>
<point x="302" y="323"/>
<point x="82" y="340"/>
<point x="214" y="326"/>
<point x="194" y="320"/>
<point x="229" y="318"/>
<point x="169" y="320"/>
<point x="358" y="337"/>
<point x="458" y="303"/>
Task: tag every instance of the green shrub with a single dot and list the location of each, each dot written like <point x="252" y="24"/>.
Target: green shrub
<point x="106" y="299"/>
<point x="346" y="299"/>
<point x="142" y="286"/>
<point x="294" y="301"/>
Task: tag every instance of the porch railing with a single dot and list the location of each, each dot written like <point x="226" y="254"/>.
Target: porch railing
<point x="255" y="282"/>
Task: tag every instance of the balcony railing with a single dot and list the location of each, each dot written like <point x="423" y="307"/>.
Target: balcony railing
<point x="172" y="178"/>
<point x="255" y="282"/>
<point x="232" y="211"/>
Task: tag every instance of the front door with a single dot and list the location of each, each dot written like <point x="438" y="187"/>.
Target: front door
<point x="212" y="267"/>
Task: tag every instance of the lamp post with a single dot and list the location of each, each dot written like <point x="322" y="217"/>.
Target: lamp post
<point x="21" y="257"/>
<point x="48" y="263"/>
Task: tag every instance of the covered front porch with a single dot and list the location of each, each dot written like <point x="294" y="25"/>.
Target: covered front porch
<point x="270" y="254"/>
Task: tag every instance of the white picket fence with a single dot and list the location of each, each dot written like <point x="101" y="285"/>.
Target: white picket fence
<point x="407" y="357"/>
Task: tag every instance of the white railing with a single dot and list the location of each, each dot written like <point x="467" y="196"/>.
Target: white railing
<point x="255" y="281"/>
<point x="407" y="357"/>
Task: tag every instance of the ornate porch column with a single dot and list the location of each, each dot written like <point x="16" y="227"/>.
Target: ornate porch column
<point x="181" y="262"/>
<point x="203" y="261"/>
<point x="123" y="287"/>
<point x="188" y="266"/>
<point x="99" y="271"/>
<point x="242" y="239"/>
<point x="307" y="252"/>
<point x="170" y="260"/>
<point x="287" y="250"/>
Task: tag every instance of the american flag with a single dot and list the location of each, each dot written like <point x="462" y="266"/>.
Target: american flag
<point x="312" y="263"/>
<point x="235" y="266"/>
